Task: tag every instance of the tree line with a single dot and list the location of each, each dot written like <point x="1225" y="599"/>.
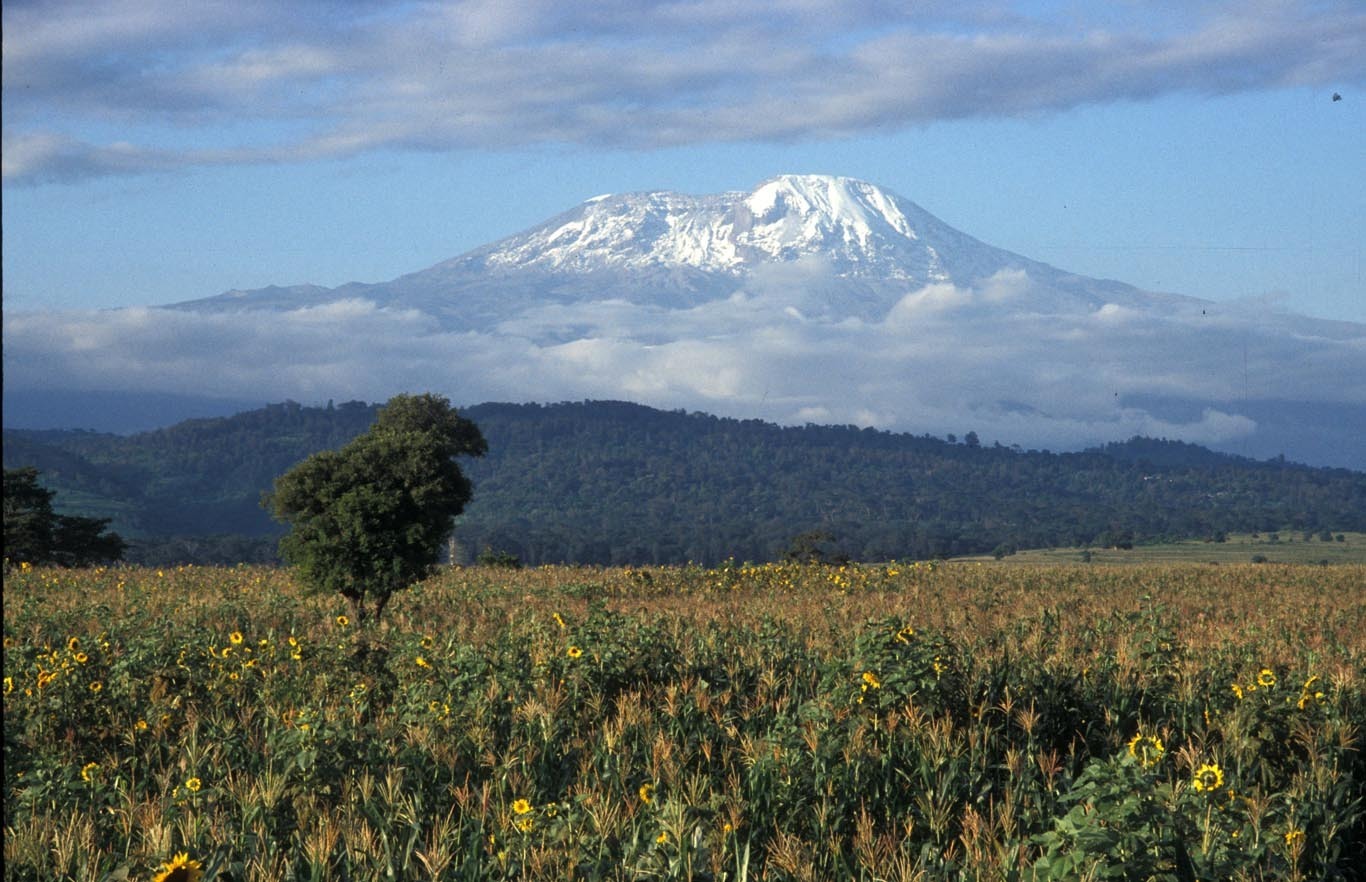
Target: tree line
<point x="615" y="483"/>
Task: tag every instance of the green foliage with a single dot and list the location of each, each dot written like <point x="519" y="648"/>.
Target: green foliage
<point x="816" y="546"/>
<point x="615" y="483"/>
<point x="490" y="557"/>
<point x="370" y="519"/>
<point x="34" y="534"/>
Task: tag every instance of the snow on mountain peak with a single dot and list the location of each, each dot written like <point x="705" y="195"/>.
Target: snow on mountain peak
<point x="853" y="206"/>
<point x="855" y="226"/>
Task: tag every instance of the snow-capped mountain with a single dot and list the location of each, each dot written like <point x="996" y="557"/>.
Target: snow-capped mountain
<point x="860" y="229"/>
<point x="856" y="250"/>
<point x="807" y="299"/>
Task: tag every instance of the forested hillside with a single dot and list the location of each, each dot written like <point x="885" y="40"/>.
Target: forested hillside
<point x="610" y="482"/>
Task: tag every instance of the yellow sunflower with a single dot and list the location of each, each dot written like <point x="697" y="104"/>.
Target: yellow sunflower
<point x="573" y="652"/>
<point x="646" y="793"/>
<point x="1208" y="777"/>
<point x="870" y="681"/>
<point x="181" y="868"/>
<point x="1147" y="749"/>
<point x="521" y="806"/>
<point x="236" y="637"/>
<point x="1266" y="678"/>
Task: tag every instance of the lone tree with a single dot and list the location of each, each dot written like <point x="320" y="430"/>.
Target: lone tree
<point x="35" y="534"/>
<point x="371" y="518"/>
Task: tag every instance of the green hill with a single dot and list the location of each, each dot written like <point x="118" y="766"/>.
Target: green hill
<point x="611" y="482"/>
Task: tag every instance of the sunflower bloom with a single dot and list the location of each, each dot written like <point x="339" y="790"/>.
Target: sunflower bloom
<point x="646" y="793"/>
<point x="193" y="784"/>
<point x="181" y="868"/>
<point x="1208" y="778"/>
<point x="89" y="771"/>
<point x="521" y="807"/>
<point x="343" y="621"/>
<point x="573" y="652"/>
<point x="235" y="637"/>
<point x="1266" y="679"/>
<point x="1147" y="749"/>
<point x="870" y="681"/>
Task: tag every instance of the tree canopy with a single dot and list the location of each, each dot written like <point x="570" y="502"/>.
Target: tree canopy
<point x="370" y="518"/>
<point x="35" y="534"/>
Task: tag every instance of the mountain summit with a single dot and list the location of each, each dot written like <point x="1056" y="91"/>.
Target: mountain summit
<point x="853" y="248"/>
<point x="861" y="229"/>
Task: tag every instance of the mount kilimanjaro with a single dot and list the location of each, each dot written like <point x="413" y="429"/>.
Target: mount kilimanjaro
<point x="810" y="299"/>
<point x="854" y="248"/>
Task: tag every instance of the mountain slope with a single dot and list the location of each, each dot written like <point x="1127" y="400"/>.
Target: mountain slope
<point x="600" y="482"/>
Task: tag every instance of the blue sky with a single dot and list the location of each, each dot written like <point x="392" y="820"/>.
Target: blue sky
<point x="157" y="151"/>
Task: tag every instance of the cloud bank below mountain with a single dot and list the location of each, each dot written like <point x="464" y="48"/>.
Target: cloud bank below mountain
<point x="944" y="359"/>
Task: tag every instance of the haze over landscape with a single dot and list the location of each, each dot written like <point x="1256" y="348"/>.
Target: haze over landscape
<point x="1152" y="219"/>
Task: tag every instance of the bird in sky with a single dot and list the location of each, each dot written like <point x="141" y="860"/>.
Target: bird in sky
<point x="1337" y="97"/>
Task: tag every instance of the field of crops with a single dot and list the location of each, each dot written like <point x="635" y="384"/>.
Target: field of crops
<point x="937" y="722"/>
<point x="1237" y="548"/>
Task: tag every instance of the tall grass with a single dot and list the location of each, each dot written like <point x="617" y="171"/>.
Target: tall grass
<point x="776" y="722"/>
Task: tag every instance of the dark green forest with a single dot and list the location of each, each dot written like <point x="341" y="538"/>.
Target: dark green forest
<point x="615" y="483"/>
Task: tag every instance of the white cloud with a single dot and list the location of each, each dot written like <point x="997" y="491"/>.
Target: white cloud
<point x="1055" y="380"/>
<point x="96" y="91"/>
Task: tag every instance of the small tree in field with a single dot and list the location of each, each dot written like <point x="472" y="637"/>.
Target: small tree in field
<point x="371" y="518"/>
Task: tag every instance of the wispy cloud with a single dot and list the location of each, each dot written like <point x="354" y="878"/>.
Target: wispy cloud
<point x="128" y="87"/>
